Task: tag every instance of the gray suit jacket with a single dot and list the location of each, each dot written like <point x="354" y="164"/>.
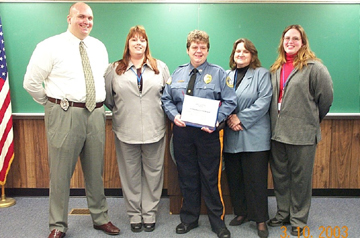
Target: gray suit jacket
<point x="137" y="117"/>
<point x="253" y="102"/>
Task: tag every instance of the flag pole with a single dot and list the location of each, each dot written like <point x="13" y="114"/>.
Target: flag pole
<point x="6" y="202"/>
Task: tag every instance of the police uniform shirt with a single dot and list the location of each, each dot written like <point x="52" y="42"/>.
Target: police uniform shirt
<point x="211" y="83"/>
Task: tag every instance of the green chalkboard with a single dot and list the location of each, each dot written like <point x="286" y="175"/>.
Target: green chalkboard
<point x="333" y="31"/>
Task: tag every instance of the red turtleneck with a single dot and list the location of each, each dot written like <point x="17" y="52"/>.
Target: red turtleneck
<point x="286" y="69"/>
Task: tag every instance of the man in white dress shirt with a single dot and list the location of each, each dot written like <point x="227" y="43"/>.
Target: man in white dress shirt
<point x="72" y="129"/>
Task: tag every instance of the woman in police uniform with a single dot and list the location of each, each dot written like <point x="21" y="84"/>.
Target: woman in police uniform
<point x="197" y="150"/>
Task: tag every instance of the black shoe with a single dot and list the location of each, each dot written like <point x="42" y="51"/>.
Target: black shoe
<point x="275" y="222"/>
<point x="149" y="227"/>
<point x="237" y="222"/>
<point x="262" y="233"/>
<point x="223" y="233"/>
<point x="183" y="228"/>
<point x="136" y="227"/>
<point x="296" y="232"/>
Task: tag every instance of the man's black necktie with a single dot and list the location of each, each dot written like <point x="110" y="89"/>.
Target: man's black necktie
<point x="190" y="88"/>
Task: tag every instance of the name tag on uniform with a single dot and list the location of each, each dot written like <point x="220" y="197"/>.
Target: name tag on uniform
<point x="200" y="112"/>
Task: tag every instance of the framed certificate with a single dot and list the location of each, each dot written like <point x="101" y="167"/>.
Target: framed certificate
<point x="200" y="112"/>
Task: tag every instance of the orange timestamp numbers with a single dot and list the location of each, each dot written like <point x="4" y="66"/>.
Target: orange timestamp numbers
<point x="325" y="232"/>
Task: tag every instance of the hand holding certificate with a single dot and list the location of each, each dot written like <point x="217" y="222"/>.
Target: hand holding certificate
<point x="200" y="112"/>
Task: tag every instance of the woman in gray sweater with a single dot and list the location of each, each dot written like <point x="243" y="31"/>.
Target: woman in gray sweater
<point x="302" y="96"/>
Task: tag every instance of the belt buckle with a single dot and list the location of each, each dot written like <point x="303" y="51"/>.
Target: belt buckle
<point x="64" y="104"/>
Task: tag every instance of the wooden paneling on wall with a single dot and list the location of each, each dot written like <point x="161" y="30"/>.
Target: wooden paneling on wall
<point x="30" y="166"/>
<point x="337" y="163"/>
<point x="344" y="164"/>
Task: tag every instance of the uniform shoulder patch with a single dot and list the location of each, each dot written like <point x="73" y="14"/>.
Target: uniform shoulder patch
<point x="229" y="82"/>
<point x="169" y="81"/>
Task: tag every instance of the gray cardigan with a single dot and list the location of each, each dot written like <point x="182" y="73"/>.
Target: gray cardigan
<point x="307" y="99"/>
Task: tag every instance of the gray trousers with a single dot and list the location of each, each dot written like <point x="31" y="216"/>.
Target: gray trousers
<point x="141" y="168"/>
<point x="70" y="134"/>
<point x="292" y="169"/>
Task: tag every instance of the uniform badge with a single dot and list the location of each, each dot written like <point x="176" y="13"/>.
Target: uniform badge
<point x="207" y="78"/>
<point x="169" y="81"/>
<point x="64" y="104"/>
<point x="229" y="82"/>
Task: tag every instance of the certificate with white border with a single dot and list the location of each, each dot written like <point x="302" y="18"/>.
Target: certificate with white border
<point x="200" y="112"/>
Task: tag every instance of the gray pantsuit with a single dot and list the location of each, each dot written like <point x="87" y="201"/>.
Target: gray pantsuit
<point x="295" y="132"/>
<point x="70" y="134"/>
<point x="292" y="168"/>
<point x="141" y="173"/>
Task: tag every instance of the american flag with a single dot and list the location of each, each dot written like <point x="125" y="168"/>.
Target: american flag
<point x="6" y="125"/>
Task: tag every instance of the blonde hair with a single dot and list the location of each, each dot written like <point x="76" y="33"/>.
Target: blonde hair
<point x="197" y="36"/>
<point x="302" y="56"/>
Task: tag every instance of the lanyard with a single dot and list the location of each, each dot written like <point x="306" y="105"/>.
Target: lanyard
<point x="235" y="79"/>
<point x="283" y="77"/>
<point x="283" y="82"/>
<point x="138" y="76"/>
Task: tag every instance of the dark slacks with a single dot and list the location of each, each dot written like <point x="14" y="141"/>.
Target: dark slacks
<point x="247" y="174"/>
<point x="197" y="154"/>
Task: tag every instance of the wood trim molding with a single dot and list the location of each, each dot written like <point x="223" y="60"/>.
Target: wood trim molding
<point x="341" y="116"/>
<point x="196" y="1"/>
